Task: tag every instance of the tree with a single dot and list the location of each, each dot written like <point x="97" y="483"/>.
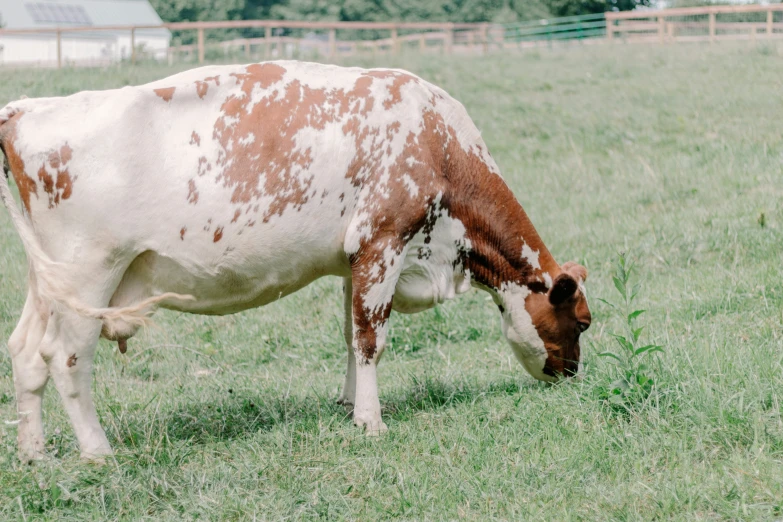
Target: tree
<point x="582" y="7"/>
<point x="198" y="10"/>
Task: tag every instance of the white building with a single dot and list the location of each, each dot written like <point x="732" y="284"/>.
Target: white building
<point x="90" y="47"/>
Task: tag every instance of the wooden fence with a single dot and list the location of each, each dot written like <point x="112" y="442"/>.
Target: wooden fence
<point x="446" y="36"/>
<point x="708" y="23"/>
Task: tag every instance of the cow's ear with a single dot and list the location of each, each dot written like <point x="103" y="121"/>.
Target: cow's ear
<point x="577" y="271"/>
<point x="563" y="288"/>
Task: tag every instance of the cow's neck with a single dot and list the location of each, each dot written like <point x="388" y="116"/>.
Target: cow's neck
<point x="505" y="247"/>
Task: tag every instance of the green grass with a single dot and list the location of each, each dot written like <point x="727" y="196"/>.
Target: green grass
<point x="668" y="152"/>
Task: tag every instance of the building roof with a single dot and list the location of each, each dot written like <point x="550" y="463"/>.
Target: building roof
<point x="30" y="14"/>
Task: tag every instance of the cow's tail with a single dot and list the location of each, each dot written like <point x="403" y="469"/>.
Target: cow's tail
<point x="52" y="279"/>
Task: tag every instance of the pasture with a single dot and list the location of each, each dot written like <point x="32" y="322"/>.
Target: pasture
<point x="670" y="153"/>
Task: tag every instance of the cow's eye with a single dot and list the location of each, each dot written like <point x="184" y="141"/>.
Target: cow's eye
<point x="500" y="307"/>
<point x="582" y="326"/>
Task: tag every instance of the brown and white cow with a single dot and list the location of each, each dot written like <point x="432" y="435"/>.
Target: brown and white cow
<point x="225" y="188"/>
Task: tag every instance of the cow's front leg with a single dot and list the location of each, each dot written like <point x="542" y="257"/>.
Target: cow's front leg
<point x="374" y="280"/>
<point x="69" y="348"/>
<point x="347" y="397"/>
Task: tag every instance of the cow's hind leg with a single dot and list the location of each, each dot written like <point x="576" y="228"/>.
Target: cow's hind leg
<point x="69" y="348"/>
<point x="30" y="376"/>
<point x="347" y="397"/>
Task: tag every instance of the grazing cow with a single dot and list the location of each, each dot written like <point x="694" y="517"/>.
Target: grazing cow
<point x="225" y="188"/>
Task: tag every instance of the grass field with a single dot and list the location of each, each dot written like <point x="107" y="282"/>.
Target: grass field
<point x="671" y="153"/>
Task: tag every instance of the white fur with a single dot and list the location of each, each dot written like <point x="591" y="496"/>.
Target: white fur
<point x="518" y="328"/>
<point x="531" y="256"/>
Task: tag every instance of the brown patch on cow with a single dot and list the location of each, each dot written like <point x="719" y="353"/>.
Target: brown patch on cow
<point x="122" y="344"/>
<point x="167" y="93"/>
<point x="182" y="233"/>
<point x="192" y="192"/>
<point x="237" y="213"/>
<point x="203" y="166"/>
<point x="71" y="362"/>
<point x="259" y="138"/>
<point x="195" y="139"/>
<point x="202" y="86"/>
<point x="54" y="174"/>
<point x="218" y="234"/>
<point x="496" y="224"/>
<point x="24" y="183"/>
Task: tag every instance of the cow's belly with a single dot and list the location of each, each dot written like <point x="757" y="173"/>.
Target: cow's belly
<point x="237" y="283"/>
<point x="423" y="286"/>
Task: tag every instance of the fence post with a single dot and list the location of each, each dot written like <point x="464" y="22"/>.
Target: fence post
<point x="395" y="41"/>
<point x="133" y="45"/>
<point x="548" y="34"/>
<point x="485" y="38"/>
<point x="712" y="27"/>
<point x="332" y="42"/>
<point x="247" y="48"/>
<point x="449" y="40"/>
<point x="609" y="28"/>
<point x="422" y="43"/>
<point x="769" y="23"/>
<point x="661" y="27"/>
<point x="59" y="49"/>
<point x="200" y="45"/>
<point x="267" y="41"/>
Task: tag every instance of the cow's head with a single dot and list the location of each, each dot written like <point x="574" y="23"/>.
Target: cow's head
<point x="544" y="328"/>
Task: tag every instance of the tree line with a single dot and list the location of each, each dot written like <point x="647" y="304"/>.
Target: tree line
<point x="385" y="10"/>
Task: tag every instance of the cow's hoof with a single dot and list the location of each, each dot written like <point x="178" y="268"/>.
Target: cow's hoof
<point x="26" y="457"/>
<point x="372" y="428"/>
<point x="97" y="457"/>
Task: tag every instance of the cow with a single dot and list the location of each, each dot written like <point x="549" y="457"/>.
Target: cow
<point x="224" y="188"/>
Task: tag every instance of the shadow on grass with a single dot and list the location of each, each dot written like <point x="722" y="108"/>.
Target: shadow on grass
<point x="239" y="415"/>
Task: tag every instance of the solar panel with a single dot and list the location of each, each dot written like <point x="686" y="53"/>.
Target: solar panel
<point x="61" y="14"/>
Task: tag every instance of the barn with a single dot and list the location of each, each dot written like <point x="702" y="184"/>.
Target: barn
<point x="84" y="47"/>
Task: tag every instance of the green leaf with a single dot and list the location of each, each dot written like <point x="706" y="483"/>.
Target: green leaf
<point x="610" y="354"/>
<point x="623" y="342"/>
<point x="608" y="303"/>
<point x="619" y="285"/>
<point x="633" y="315"/>
<point x="650" y="348"/>
<point x="637" y="333"/>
